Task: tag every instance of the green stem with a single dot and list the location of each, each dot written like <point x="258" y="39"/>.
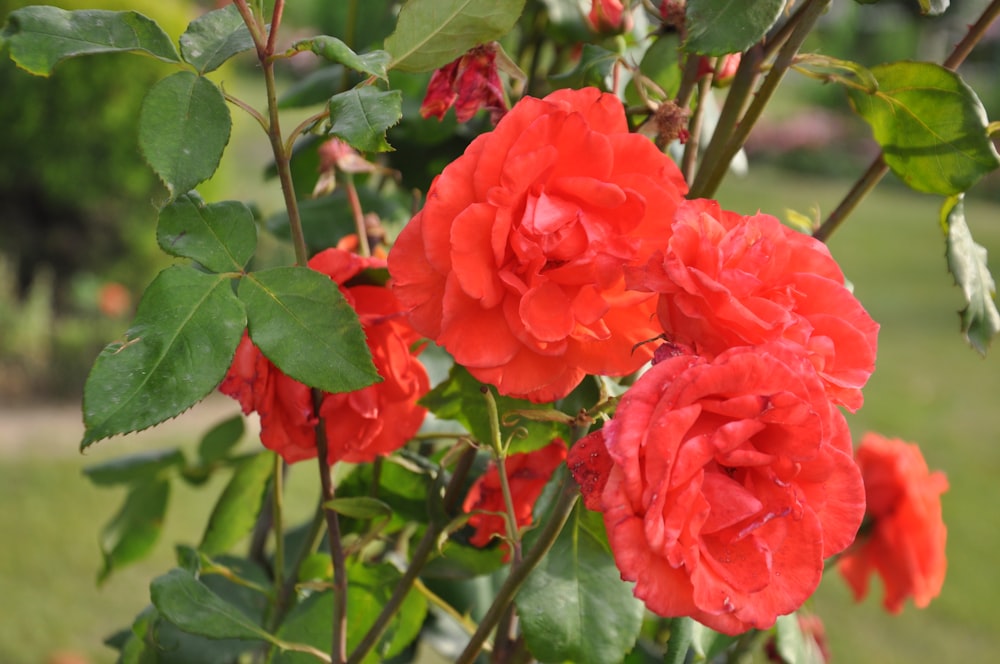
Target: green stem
<point x="568" y="494"/>
<point x="878" y="168"/>
<point x="419" y="558"/>
<point x="278" y="525"/>
<point x="283" y="601"/>
<point x="364" y="247"/>
<point x="709" y="178"/>
<point x="690" y="158"/>
<point x="737" y="99"/>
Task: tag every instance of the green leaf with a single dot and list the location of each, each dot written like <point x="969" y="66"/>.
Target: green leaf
<point x="221" y="439"/>
<point x="967" y="263"/>
<point x="239" y="505"/>
<point x="459" y="398"/>
<point x="359" y="507"/>
<point x="178" y="349"/>
<point x="334" y="50"/>
<point x="213" y="38"/>
<point x="432" y="33"/>
<point x="135" y="468"/>
<point x="369" y="587"/>
<point x="184" y="127"/>
<point x="574" y="605"/>
<point x="594" y="68"/>
<point x="718" y="27"/>
<point x="221" y="236"/>
<point x="194" y="608"/>
<point x="930" y="124"/>
<point x="131" y="534"/>
<point x="301" y="322"/>
<point x="40" y="37"/>
<point x="361" y="117"/>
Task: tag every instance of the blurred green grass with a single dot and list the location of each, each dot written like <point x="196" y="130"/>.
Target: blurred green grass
<point x="929" y="388"/>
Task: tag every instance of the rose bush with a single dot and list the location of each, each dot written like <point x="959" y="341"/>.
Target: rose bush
<point x="903" y="539"/>
<point x="724" y="485"/>
<point x="515" y="263"/>
<point x="527" y="474"/>
<point x="359" y="425"/>
<point x="728" y="280"/>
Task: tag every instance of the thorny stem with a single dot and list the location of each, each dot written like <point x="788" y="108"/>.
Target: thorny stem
<point x="878" y="168"/>
<point x="420" y="555"/>
<point x="568" y="493"/>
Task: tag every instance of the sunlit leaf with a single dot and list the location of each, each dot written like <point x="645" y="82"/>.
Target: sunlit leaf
<point x="574" y="606"/>
<point x="432" y="33"/>
<point x="933" y="7"/>
<point x="184" y="127"/>
<point x="177" y="351"/>
<point x="221" y="236"/>
<point x="967" y="263"/>
<point x="132" y="533"/>
<point x="369" y="587"/>
<point x="361" y="117"/>
<point x="134" y="468"/>
<point x="930" y="124"/>
<point x="239" y="505"/>
<point x="718" y="27"/>
<point x="213" y="38"/>
<point x="39" y="37"/>
<point x="300" y="320"/>
<point x="334" y="50"/>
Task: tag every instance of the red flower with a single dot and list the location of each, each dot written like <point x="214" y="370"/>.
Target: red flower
<point x="609" y="16"/>
<point x="903" y="539"/>
<point x="727" y="280"/>
<point x="527" y="475"/>
<point x="515" y="264"/>
<point x="468" y="83"/>
<point x="359" y="425"/>
<point x="730" y="481"/>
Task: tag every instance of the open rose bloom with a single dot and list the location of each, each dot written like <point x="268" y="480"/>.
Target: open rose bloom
<point x="359" y="425"/>
<point x="516" y="262"/>
<point x="724" y="485"/>
<point x="903" y="540"/>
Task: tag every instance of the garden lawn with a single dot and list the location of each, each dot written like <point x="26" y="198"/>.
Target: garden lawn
<point x="929" y="388"/>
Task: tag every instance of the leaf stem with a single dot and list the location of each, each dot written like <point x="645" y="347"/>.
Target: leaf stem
<point x="364" y="247"/>
<point x="278" y="524"/>
<point x="568" y="493"/>
<point x="419" y="558"/>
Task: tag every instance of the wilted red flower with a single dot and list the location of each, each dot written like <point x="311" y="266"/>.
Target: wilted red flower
<point x="468" y="83"/>
<point x="729" y="280"/>
<point x="359" y="425"/>
<point x="515" y="264"/>
<point x="527" y="474"/>
<point x="903" y="538"/>
<point x="609" y="16"/>
<point x="730" y="482"/>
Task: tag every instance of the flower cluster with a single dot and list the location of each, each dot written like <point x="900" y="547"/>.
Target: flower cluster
<point x="903" y="538"/>
<point x="359" y="425"/>
<point x="552" y="249"/>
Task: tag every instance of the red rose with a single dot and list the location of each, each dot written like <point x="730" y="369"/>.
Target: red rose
<point x="468" y="83"/>
<point x="903" y="539"/>
<point x="359" y="425"/>
<point x="527" y="475"/>
<point x="515" y="263"/>
<point x="728" y="280"/>
<point x="730" y="481"/>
